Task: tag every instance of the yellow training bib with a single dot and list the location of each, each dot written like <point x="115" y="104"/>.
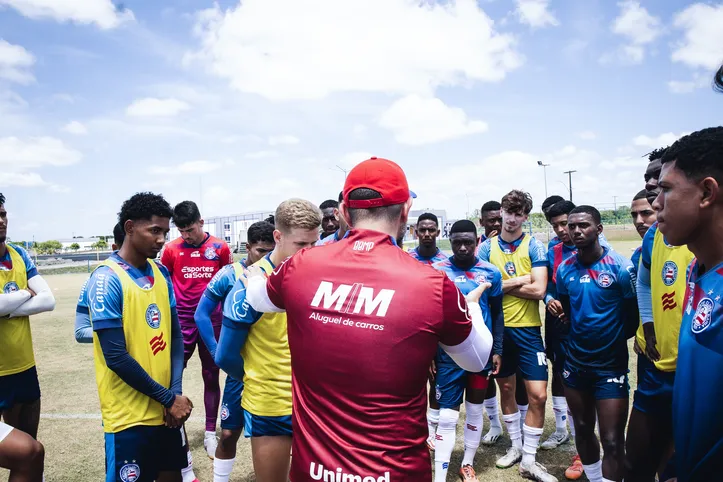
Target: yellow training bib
<point x="668" y="265"/>
<point x="16" y="340"/>
<point x="519" y="312"/>
<point x="147" y="330"/>
<point x="267" y="363"/>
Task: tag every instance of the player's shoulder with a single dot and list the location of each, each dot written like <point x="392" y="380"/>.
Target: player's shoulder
<point x="649" y="237"/>
<point x="23" y="253"/>
<point x="486" y="265"/>
<point x="443" y="264"/>
<point x="536" y="242"/>
<point x="617" y="260"/>
<point x="568" y="262"/>
<point x="217" y="243"/>
<point x="164" y="271"/>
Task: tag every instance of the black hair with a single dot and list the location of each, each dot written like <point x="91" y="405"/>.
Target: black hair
<point x="428" y="217"/>
<point x="517" y="201"/>
<point x="560" y="208"/>
<point x="186" y="213"/>
<point x="656" y="154"/>
<point x="641" y="195"/>
<point x="551" y="201"/>
<point x="271" y="220"/>
<point x="463" y="226"/>
<point x="329" y="203"/>
<point x="387" y="213"/>
<point x="2" y="199"/>
<point x="699" y="154"/>
<point x="718" y="80"/>
<point x="119" y="234"/>
<point x="341" y="196"/>
<point x="594" y="213"/>
<point x="261" y="231"/>
<point x="143" y="206"/>
<point x="490" y="206"/>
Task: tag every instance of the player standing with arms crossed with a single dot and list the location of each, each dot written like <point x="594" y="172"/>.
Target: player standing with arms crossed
<point x="254" y="346"/>
<point x="596" y="288"/>
<point x="690" y="210"/>
<point x="138" y="350"/>
<point x="364" y="322"/>
<point x="260" y="243"/>
<point x="192" y="260"/>
<point x="522" y="261"/>
<point x="467" y="272"/>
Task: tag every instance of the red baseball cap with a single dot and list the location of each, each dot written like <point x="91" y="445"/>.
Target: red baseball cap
<point x="382" y="176"/>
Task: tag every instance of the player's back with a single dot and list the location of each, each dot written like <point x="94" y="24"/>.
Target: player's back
<point x="362" y="335"/>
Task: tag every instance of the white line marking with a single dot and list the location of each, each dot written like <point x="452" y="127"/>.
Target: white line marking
<point x="91" y="416"/>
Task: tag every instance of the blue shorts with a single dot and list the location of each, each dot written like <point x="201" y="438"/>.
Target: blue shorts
<point x="20" y="387"/>
<point x="654" y="394"/>
<point x="556" y="333"/>
<point x="604" y="384"/>
<point x="232" y="415"/>
<point x="522" y="350"/>
<point x="261" y="426"/>
<point x="451" y="383"/>
<point x="138" y="454"/>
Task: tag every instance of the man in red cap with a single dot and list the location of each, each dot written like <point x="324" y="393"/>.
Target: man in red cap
<point x="364" y="323"/>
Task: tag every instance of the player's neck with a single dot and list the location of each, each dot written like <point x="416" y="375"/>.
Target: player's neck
<point x="379" y="226"/>
<point x="510" y="237"/>
<point x="3" y="249"/>
<point x="427" y="251"/>
<point x="276" y="257"/>
<point x="132" y="257"/>
<point x="590" y="254"/>
<point x="708" y="246"/>
<point x="464" y="265"/>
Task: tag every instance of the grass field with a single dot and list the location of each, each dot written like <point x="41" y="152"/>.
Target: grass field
<point x="71" y="430"/>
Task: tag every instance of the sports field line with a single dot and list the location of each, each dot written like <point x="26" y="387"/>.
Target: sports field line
<point x="92" y="416"/>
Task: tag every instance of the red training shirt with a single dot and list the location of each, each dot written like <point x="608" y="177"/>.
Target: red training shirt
<point x="364" y="322"/>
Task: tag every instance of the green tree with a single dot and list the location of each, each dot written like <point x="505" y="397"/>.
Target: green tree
<point x="100" y="244"/>
<point x="75" y="246"/>
<point x="48" y="247"/>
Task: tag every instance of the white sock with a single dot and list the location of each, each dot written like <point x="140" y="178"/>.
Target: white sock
<point x="493" y="412"/>
<point x="523" y="414"/>
<point x="594" y="471"/>
<point x="472" y="431"/>
<point x="187" y="473"/>
<point x="444" y="442"/>
<point x="532" y="440"/>
<point x="571" y="422"/>
<point x="559" y="407"/>
<point x="432" y="421"/>
<point x="512" y="422"/>
<point x="222" y="469"/>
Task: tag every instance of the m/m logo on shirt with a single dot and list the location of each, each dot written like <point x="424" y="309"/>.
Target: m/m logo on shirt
<point x="352" y="298"/>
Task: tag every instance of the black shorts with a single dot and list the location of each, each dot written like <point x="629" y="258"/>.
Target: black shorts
<point x="556" y="333"/>
<point x="20" y="387"/>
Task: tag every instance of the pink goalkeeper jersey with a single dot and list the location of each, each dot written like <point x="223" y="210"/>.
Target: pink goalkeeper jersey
<point x="191" y="269"/>
<point x="364" y="322"/>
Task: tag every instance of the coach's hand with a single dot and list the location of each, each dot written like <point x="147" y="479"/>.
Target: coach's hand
<point x="650" y="341"/>
<point x="474" y="295"/>
<point x="555" y="308"/>
<point x="496" y="365"/>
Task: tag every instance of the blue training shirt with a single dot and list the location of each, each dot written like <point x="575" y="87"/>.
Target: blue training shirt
<point x="538" y="253"/>
<point x="438" y="256"/>
<point x="222" y="282"/>
<point x="6" y="263"/>
<point x="597" y="322"/>
<point x="697" y="418"/>
<point x="636" y="257"/>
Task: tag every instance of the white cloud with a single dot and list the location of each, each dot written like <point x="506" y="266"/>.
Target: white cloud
<point x="22" y="155"/>
<point x="261" y="154"/>
<point x="76" y="128"/>
<point x="15" y="63"/>
<point x="535" y="13"/>
<point x="351" y="159"/>
<point x="60" y="189"/>
<point x="283" y="140"/>
<point x="687" y="86"/>
<point x="286" y="49"/>
<point x="587" y="135"/>
<point x="663" y="140"/>
<point x="639" y="27"/>
<point x="702" y="43"/>
<point x="416" y="120"/>
<point x="21" y="179"/>
<point x="103" y="13"/>
<point x="153" y="107"/>
<point x="190" y="167"/>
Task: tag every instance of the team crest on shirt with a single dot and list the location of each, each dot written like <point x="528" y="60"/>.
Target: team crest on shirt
<point x="670" y="273"/>
<point x="510" y="268"/>
<point x="10" y="287"/>
<point x="566" y="373"/>
<point x="703" y="315"/>
<point x="224" y="412"/>
<point x="605" y="279"/>
<point x="153" y="316"/>
<point x="130" y="473"/>
<point x="691" y="295"/>
<point x="437" y="392"/>
<point x="210" y="254"/>
<point x="480" y="278"/>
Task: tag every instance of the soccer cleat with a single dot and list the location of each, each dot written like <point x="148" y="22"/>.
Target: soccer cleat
<point x="210" y="442"/>
<point x="466" y="474"/>
<point x="491" y="437"/>
<point x="536" y="472"/>
<point x="576" y="470"/>
<point x="430" y="443"/>
<point x="555" y="440"/>
<point x="512" y="456"/>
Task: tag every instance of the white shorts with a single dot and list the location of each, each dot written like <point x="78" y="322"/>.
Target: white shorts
<point x="5" y="430"/>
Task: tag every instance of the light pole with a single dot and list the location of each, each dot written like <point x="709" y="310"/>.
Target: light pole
<point x="544" y="171"/>
<point x="569" y="177"/>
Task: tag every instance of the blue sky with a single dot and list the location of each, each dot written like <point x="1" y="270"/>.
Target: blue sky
<point x="241" y="105"/>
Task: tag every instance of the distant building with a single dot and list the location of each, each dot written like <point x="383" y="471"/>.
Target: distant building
<point x="231" y="229"/>
<point x="414" y="215"/>
<point x="85" y="244"/>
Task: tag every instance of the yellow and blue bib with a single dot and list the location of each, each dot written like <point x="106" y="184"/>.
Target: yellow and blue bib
<point x="147" y="330"/>
<point x="16" y="341"/>
<point x="519" y="312"/>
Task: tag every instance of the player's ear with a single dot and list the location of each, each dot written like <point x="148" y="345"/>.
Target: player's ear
<point x="128" y="226"/>
<point x="344" y="211"/>
<point x="277" y="236"/>
<point x="710" y="190"/>
<point x="336" y="214"/>
<point x="200" y="222"/>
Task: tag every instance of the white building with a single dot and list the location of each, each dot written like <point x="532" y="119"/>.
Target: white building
<point x="231" y="229"/>
<point x="85" y="244"/>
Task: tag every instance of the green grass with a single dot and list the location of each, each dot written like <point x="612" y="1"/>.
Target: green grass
<point x="74" y="447"/>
